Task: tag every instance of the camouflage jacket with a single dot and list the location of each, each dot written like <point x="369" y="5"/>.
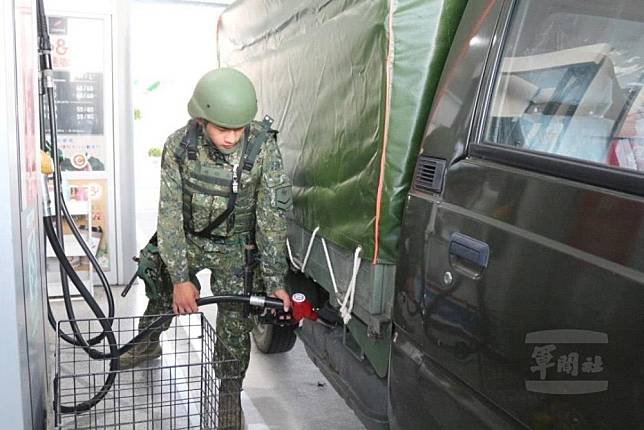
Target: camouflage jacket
<point x="265" y="191"/>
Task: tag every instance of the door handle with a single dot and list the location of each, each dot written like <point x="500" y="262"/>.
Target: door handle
<point x="467" y="255"/>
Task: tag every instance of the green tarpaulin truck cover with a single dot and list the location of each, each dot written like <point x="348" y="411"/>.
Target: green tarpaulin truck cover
<point x="350" y="85"/>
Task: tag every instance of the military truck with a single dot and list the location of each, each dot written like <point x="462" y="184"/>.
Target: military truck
<point x="468" y="202"/>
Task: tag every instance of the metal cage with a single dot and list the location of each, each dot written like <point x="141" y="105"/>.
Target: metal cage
<point x="194" y="384"/>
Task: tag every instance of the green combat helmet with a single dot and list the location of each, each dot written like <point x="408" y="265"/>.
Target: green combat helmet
<point x="224" y="97"/>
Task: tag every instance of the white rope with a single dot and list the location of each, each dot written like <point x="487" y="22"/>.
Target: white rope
<point x="290" y="255"/>
<point x="308" y="251"/>
<point x="347" y="304"/>
<point x="328" y="264"/>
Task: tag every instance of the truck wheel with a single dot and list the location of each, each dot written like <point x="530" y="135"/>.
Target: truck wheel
<point x="272" y="339"/>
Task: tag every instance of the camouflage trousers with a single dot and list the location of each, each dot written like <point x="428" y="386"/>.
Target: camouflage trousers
<point x="226" y="263"/>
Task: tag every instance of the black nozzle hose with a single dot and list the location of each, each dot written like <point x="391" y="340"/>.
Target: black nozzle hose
<point x="77" y="340"/>
<point x="80" y="286"/>
<point x="259" y="301"/>
<point x="116" y="352"/>
<point x="43" y="33"/>
<point x="99" y="271"/>
<point x="46" y="92"/>
<point x="47" y="88"/>
<point x="113" y="356"/>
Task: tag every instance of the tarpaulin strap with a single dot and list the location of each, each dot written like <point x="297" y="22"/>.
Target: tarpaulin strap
<point x="328" y="264"/>
<point x="290" y="255"/>
<point x="344" y="310"/>
<point x="308" y="251"/>
<point x="347" y="304"/>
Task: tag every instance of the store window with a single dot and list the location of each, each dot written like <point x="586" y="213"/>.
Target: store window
<point x="82" y="72"/>
<point x="570" y="82"/>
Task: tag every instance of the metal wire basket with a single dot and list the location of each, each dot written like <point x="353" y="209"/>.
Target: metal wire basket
<point x="194" y="384"/>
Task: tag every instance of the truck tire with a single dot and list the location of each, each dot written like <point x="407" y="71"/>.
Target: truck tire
<point x="272" y="339"/>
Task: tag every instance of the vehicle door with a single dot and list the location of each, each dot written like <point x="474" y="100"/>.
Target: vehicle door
<point x="533" y="255"/>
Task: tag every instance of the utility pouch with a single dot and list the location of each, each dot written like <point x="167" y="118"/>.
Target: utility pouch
<point x="152" y="269"/>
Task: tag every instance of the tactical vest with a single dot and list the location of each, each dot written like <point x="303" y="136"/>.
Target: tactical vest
<point x="219" y="180"/>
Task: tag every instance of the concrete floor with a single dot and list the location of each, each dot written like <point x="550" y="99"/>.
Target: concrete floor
<point x="281" y="391"/>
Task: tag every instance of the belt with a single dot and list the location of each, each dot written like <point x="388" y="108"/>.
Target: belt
<point x="221" y="240"/>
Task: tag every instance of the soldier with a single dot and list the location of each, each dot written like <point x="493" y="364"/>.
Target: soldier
<point x="223" y="188"/>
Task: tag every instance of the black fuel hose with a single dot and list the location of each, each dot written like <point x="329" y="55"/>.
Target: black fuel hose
<point x="46" y="90"/>
<point x="47" y="97"/>
<point x="57" y="237"/>
<point x="68" y="270"/>
<point x="105" y="324"/>
<point x="99" y="271"/>
<point x="258" y="301"/>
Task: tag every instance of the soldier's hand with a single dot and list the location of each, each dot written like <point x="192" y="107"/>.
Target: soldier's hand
<point x="184" y="298"/>
<point x="284" y="296"/>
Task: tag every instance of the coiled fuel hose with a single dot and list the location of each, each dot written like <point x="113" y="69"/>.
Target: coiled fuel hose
<point x="46" y="98"/>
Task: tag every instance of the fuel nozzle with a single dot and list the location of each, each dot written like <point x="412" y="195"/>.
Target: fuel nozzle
<point x="302" y="308"/>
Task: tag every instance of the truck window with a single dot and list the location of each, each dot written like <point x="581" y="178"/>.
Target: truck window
<point x="570" y="82"/>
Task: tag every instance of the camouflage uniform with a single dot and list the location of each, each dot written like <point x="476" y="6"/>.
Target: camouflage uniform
<point x="263" y="199"/>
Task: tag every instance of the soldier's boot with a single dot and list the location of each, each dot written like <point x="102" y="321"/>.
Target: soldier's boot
<point x="229" y="411"/>
<point x="148" y="349"/>
<point x="230" y="415"/>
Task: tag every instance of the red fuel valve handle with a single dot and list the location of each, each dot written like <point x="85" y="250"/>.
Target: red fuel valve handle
<point x="302" y="308"/>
